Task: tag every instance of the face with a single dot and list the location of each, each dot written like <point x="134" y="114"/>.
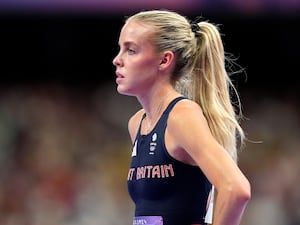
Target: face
<point x="137" y="63"/>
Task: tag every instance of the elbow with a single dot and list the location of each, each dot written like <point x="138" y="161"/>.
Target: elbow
<point x="247" y="193"/>
<point x="238" y="191"/>
<point x="242" y="191"/>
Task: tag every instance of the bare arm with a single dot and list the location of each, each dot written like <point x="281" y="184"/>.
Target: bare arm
<point x="190" y="131"/>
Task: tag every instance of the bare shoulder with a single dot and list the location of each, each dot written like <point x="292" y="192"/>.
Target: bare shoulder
<point x="186" y="131"/>
<point x="187" y="124"/>
<point x="186" y="110"/>
<point x="134" y="123"/>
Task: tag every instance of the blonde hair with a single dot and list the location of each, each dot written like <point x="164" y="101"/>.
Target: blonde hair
<point x="199" y="72"/>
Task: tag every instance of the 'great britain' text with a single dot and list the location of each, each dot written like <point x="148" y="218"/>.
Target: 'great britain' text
<point x="158" y="171"/>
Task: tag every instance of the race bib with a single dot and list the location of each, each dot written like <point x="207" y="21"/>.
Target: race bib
<point x="148" y="220"/>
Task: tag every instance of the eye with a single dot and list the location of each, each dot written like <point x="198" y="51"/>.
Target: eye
<point x="131" y="51"/>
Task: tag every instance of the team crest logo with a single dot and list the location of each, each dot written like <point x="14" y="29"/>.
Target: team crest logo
<point x="153" y="144"/>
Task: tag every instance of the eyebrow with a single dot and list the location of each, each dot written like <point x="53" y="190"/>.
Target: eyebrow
<point x="127" y="43"/>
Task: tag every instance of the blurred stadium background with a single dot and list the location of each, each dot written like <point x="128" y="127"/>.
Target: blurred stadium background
<point x="64" y="147"/>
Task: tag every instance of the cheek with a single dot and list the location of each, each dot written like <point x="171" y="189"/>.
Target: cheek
<point x="140" y="77"/>
<point x="146" y="72"/>
<point x="146" y="66"/>
<point x="140" y="72"/>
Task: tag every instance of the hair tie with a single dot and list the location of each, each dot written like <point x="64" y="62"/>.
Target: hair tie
<point x="195" y="28"/>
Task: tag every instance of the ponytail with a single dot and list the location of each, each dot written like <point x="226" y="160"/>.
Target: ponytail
<point x="211" y="85"/>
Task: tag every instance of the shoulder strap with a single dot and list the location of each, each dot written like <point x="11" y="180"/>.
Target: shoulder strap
<point x="172" y="104"/>
<point x="164" y="115"/>
<point x="162" y="124"/>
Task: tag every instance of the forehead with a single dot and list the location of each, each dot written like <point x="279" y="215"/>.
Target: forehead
<point x="136" y="32"/>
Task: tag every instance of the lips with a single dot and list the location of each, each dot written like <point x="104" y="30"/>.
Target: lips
<point x="119" y="77"/>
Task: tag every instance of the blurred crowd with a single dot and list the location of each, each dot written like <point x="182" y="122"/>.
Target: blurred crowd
<point x="272" y="157"/>
<point x="65" y="151"/>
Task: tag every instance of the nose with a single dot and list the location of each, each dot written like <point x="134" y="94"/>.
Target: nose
<point x="116" y="61"/>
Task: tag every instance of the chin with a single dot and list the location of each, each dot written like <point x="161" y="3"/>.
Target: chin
<point x="124" y="92"/>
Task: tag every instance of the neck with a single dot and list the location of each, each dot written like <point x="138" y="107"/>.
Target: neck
<point x="154" y="110"/>
<point x="155" y="102"/>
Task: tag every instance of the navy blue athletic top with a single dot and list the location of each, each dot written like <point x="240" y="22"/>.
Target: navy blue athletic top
<point x="162" y="186"/>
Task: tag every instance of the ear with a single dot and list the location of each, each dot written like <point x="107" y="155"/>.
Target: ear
<point x="167" y="60"/>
